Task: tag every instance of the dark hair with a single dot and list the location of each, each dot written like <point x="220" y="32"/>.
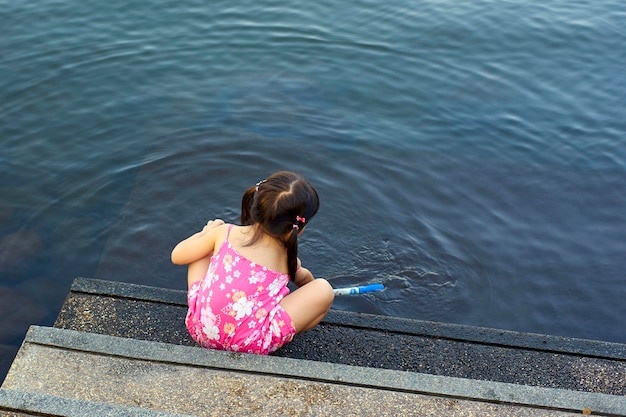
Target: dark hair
<point x="279" y="205"/>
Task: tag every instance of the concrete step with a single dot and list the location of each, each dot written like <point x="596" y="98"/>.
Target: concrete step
<point x="92" y="372"/>
<point x="25" y="404"/>
<point x="346" y="338"/>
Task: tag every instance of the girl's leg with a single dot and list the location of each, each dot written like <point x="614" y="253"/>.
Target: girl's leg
<point x="197" y="270"/>
<point x="308" y="305"/>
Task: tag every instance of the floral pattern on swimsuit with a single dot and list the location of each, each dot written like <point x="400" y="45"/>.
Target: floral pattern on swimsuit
<point x="236" y="307"/>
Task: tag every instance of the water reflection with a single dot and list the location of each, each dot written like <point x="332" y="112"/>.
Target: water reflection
<point x="468" y="155"/>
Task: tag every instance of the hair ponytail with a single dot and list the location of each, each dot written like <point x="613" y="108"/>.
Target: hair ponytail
<point x="292" y="253"/>
<point x="280" y="206"/>
<point x="246" y="206"/>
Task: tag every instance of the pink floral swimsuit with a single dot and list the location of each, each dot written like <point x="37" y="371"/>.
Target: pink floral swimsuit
<point x="235" y="306"/>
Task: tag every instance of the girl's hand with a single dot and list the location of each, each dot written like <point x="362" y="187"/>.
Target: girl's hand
<point x="303" y="275"/>
<point x="212" y="224"/>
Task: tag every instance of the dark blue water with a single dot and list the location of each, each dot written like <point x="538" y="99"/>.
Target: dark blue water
<point x="470" y="155"/>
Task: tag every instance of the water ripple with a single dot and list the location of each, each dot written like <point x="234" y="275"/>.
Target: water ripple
<point x="469" y="155"/>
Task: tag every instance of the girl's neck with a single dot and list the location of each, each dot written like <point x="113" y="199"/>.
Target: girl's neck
<point x="265" y="238"/>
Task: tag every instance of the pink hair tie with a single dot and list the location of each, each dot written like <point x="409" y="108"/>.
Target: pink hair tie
<point x="258" y="184"/>
<point x="299" y="219"/>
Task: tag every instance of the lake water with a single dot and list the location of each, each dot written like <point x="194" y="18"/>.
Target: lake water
<point x="471" y="155"/>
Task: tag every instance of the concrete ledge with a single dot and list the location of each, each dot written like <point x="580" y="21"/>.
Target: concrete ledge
<point x="379" y="379"/>
<point x="130" y="291"/>
<point x="155" y="314"/>
<point x="32" y="404"/>
<point x="448" y="331"/>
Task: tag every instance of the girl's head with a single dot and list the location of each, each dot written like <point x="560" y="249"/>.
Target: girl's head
<point x="281" y="206"/>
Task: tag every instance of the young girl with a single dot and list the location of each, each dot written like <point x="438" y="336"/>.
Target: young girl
<point x="238" y="296"/>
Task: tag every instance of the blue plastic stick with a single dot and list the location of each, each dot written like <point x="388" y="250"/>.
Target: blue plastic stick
<point x="359" y="290"/>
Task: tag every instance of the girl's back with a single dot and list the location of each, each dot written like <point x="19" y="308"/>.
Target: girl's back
<point x="236" y="305"/>
<point x="266" y="251"/>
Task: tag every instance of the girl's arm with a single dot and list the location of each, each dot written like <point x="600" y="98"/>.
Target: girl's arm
<point x="303" y="275"/>
<point x="198" y="246"/>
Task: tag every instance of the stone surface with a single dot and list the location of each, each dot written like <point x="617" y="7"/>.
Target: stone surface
<point x="14" y="403"/>
<point x="186" y="380"/>
<point x="122" y="349"/>
<point x="148" y="313"/>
